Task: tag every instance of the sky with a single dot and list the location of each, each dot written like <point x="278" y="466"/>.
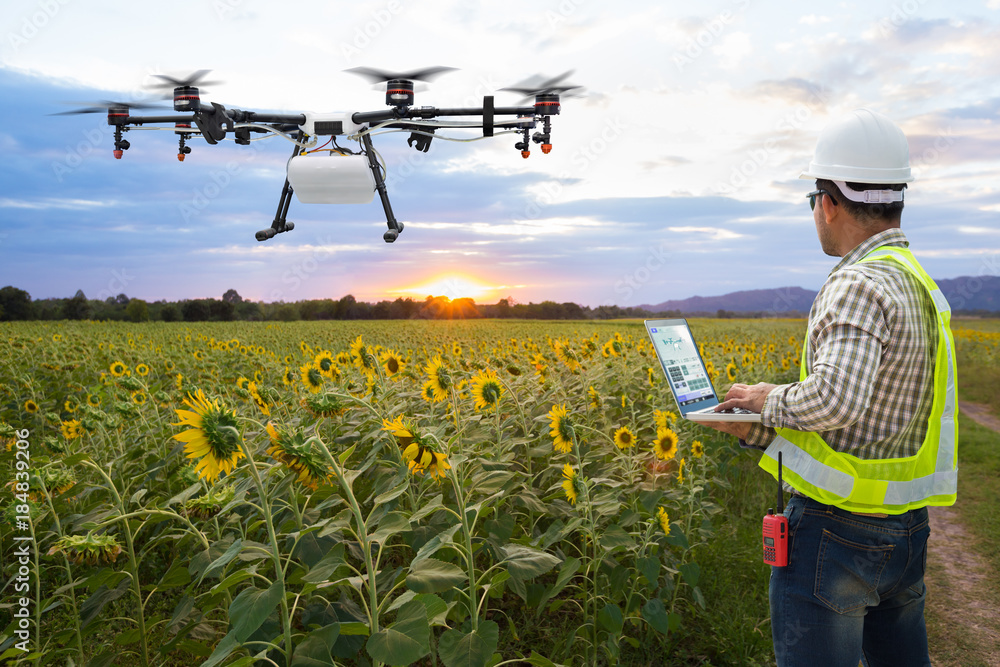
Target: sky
<point x="673" y="173"/>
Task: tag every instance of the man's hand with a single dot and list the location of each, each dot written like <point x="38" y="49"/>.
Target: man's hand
<point x="748" y="397"/>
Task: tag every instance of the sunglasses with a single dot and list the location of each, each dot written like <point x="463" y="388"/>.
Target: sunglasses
<point x="812" y="198"/>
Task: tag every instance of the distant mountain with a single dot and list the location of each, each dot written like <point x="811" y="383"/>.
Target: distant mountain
<point x="968" y="293"/>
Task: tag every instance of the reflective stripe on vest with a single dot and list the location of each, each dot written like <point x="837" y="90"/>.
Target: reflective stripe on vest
<point x="892" y="486"/>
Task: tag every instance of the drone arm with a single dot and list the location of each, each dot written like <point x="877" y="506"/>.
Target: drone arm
<point x="395" y="227"/>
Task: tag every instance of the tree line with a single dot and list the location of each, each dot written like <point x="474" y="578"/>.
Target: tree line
<point x="17" y="305"/>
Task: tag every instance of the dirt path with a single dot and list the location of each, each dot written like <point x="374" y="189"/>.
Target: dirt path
<point x="967" y="627"/>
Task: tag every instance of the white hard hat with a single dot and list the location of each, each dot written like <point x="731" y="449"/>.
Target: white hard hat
<point x="864" y="147"/>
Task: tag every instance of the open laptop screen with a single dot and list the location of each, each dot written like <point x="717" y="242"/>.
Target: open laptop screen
<point x="682" y="364"/>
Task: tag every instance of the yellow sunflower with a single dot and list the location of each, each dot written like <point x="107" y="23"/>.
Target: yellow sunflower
<point x="363" y="357"/>
<point x="661" y="516"/>
<point x="93" y="400"/>
<point x="561" y="428"/>
<point x="326" y="363"/>
<point x="392" y="363"/>
<point x="118" y="369"/>
<point x="569" y="483"/>
<point x="30" y="407"/>
<point x="595" y="398"/>
<point x="71" y="429"/>
<point x="298" y="455"/>
<point x="731" y="371"/>
<point x="70" y="405"/>
<point x="142" y="369"/>
<point x="213" y="439"/>
<point x="243" y="383"/>
<point x="138" y="397"/>
<point x="258" y="399"/>
<point x="665" y="445"/>
<point x="624" y="438"/>
<point x="697" y="450"/>
<point x="680" y="472"/>
<point x="487" y="390"/>
<point x="440" y="378"/>
<point x="417" y="451"/>
<point x="312" y="378"/>
<point x="664" y="419"/>
<point x="427" y="391"/>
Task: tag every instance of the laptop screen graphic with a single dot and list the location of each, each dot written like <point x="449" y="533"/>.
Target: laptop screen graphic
<point x="676" y="349"/>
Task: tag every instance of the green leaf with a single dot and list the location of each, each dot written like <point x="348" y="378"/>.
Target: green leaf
<point x="650" y="568"/>
<point x="233" y="579"/>
<point x="614" y="536"/>
<point x="698" y="597"/>
<point x="405" y="641"/>
<point x="314" y="650"/>
<point x="177" y="575"/>
<point x="569" y="568"/>
<point x="93" y="605"/>
<point x="677" y="537"/>
<point x="458" y="649"/>
<point x="251" y="608"/>
<point x="433" y="505"/>
<point x="655" y="614"/>
<point x="691" y="573"/>
<point x="391" y="523"/>
<point x="327" y="566"/>
<point x="346" y="454"/>
<point x="434" y="576"/>
<point x="432" y="545"/>
<point x="224" y="559"/>
<point x="612" y="619"/>
<point x="394" y="493"/>
<point x="527" y="562"/>
<point x="228" y="644"/>
<point x="539" y="660"/>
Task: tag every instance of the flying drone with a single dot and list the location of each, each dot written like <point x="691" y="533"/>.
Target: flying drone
<point x="332" y="173"/>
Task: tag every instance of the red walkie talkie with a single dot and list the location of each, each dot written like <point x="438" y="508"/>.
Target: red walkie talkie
<point x="776" y="530"/>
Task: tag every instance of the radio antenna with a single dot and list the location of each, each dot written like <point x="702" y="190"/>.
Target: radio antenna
<point x="781" y="494"/>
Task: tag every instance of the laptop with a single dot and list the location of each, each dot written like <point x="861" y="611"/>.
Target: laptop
<point x="685" y="370"/>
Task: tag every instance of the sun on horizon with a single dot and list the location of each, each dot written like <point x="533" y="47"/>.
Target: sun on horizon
<point x="454" y="286"/>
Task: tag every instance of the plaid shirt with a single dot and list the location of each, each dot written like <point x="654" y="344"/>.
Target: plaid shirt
<point x="870" y="355"/>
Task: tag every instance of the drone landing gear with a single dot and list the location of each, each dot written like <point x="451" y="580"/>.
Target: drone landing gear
<point x="279" y="225"/>
<point x="395" y="227"/>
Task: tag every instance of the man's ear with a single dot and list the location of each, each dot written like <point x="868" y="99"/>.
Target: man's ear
<point x="830" y="210"/>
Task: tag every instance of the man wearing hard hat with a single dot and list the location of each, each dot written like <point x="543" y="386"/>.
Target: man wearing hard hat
<point x="868" y="435"/>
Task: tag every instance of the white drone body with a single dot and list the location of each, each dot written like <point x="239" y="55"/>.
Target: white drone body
<point x="330" y="177"/>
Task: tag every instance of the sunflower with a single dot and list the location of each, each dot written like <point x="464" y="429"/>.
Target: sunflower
<point x="665" y="445"/>
<point x="651" y="377"/>
<point x="363" y="357"/>
<point x="624" y="438"/>
<point x="258" y="399"/>
<point x="440" y="378"/>
<point x="30" y="407"/>
<point x="427" y="391"/>
<point x="697" y="450"/>
<point x="664" y="419"/>
<point x="323" y="405"/>
<point x="71" y="429"/>
<point x="487" y="390"/>
<point x="93" y="400"/>
<point x="243" y="383"/>
<point x="326" y="363"/>
<point x="731" y="371"/>
<point x="561" y="428"/>
<point x="213" y="438"/>
<point x="209" y="504"/>
<point x="569" y="484"/>
<point x="456" y="349"/>
<point x="595" y="398"/>
<point x="392" y="363"/>
<point x="417" y="451"/>
<point x="87" y="549"/>
<point x="70" y="405"/>
<point x="142" y="369"/>
<point x="138" y="397"/>
<point x="312" y="378"/>
<point x="661" y="516"/>
<point x="298" y="455"/>
<point x="118" y="369"/>
<point x="680" y="472"/>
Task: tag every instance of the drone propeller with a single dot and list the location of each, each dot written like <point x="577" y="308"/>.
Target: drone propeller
<point x="399" y="85"/>
<point x="186" y="94"/>
<point x="537" y="85"/>
<point x="105" y="106"/>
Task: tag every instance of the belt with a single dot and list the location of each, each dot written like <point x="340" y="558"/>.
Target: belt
<point x="874" y="515"/>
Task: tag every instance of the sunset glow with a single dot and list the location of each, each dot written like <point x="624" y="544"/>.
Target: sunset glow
<point x="455" y="286"/>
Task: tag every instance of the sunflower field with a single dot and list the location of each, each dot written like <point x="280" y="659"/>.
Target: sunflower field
<point x="357" y="493"/>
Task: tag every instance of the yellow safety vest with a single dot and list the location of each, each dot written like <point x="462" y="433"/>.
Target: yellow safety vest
<point x="890" y="486"/>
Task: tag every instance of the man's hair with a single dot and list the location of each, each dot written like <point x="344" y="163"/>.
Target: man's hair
<point x="869" y="215"/>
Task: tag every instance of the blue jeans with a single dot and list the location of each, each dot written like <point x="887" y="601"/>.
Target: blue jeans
<point x="853" y="590"/>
